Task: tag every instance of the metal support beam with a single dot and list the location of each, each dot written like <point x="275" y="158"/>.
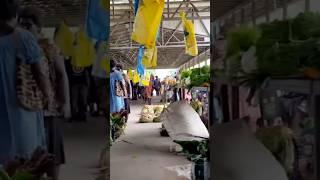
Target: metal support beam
<point x="200" y="18"/>
<point x="168" y="46"/>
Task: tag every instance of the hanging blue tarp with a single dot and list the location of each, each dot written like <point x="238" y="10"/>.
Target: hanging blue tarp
<point x="136" y="6"/>
<point x="140" y="67"/>
<point x="98" y="20"/>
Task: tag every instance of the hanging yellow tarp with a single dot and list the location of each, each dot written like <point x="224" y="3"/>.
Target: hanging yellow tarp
<point x="136" y="77"/>
<point x="190" y="37"/>
<point x="154" y="60"/>
<point x="147" y="22"/>
<point x="146" y="79"/>
<point x="64" y="39"/>
<point x="150" y="58"/>
<point x="84" y="52"/>
<point x="130" y="74"/>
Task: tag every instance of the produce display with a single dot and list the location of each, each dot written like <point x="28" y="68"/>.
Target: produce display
<point x="196" y="77"/>
<point x="282" y="48"/>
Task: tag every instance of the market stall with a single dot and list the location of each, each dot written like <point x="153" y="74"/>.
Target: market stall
<point x="269" y="77"/>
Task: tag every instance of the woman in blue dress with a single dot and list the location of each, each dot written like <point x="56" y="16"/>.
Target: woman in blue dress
<point x="116" y="102"/>
<point x="21" y="131"/>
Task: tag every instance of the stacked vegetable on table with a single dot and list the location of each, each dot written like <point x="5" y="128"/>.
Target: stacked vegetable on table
<point x="197" y="77"/>
<point x="286" y="48"/>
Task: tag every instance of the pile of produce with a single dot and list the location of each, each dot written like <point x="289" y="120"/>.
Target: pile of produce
<point x="151" y="113"/>
<point x="279" y="49"/>
<point x="32" y="169"/>
<point x="196" y="77"/>
<point x="118" y="124"/>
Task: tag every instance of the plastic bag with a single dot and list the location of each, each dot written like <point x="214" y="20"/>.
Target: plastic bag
<point x="64" y="39"/>
<point x="150" y="58"/>
<point x="190" y="37"/>
<point x="147" y="22"/>
<point x="84" y="51"/>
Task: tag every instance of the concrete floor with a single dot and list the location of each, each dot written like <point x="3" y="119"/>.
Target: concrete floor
<point x="83" y="144"/>
<point x="142" y="154"/>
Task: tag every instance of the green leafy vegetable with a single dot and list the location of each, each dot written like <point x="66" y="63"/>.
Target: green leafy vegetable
<point x="241" y="39"/>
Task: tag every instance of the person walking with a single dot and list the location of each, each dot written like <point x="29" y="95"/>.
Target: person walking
<point x="79" y="93"/>
<point x="117" y="87"/>
<point x="21" y="131"/>
<point x="99" y="79"/>
<point x="148" y="91"/>
<point x="58" y="84"/>
<point x="128" y="96"/>
<point x="157" y="85"/>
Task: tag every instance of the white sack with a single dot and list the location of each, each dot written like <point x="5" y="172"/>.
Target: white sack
<point x="238" y="155"/>
<point x="183" y="123"/>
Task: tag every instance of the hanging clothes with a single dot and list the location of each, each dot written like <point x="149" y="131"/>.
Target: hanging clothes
<point x="147" y="22"/>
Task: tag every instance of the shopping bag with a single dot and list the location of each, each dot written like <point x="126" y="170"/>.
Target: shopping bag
<point x="149" y="59"/>
<point x="84" y="52"/>
<point x="64" y="39"/>
<point x="147" y="22"/>
<point x="189" y="36"/>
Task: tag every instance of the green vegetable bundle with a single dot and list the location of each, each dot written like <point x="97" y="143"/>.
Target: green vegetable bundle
<point x="241" y="39"/>
<point x="199" y="76"/>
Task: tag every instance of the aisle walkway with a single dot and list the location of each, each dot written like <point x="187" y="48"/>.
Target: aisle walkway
<point x="83" y="145"/>
<point x="142" y="154"/>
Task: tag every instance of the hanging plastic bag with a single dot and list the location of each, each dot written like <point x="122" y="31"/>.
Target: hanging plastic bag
<point x="136" y="77"/>
<point x="84" y="51"/>
<point x="189" y="35"/>
<point x="149" y="59"/>
<point x="64" y="39"/>
<point x="147" y="22"/>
